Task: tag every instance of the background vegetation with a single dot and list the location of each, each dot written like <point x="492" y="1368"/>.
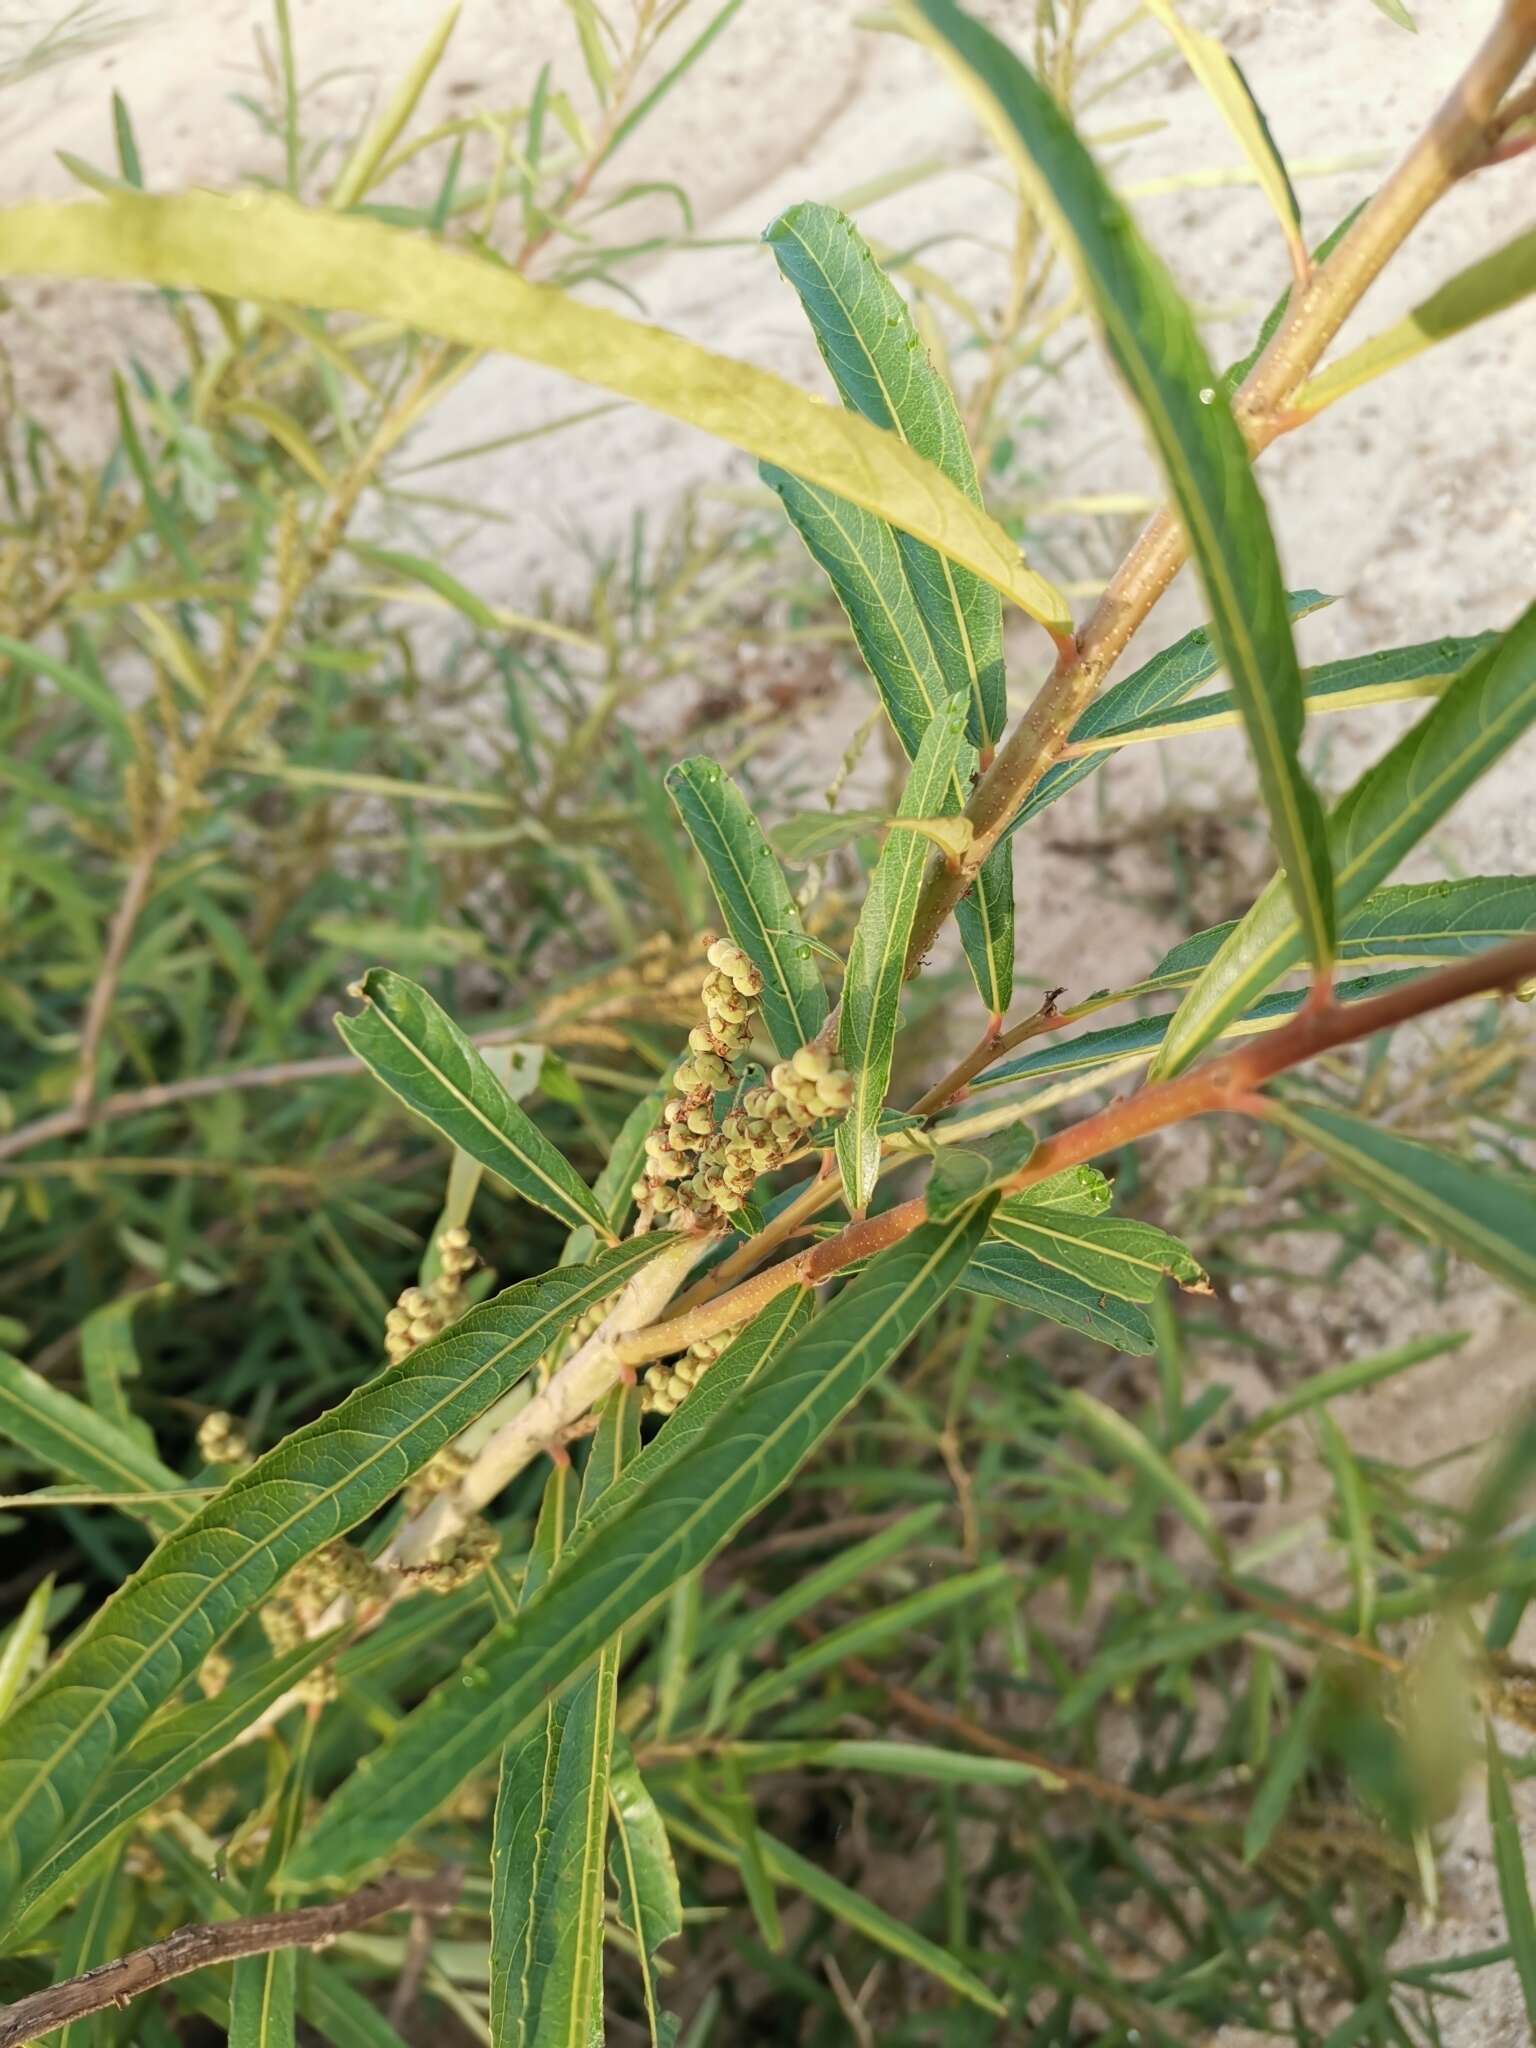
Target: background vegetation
<point x="1013" y="1717"/>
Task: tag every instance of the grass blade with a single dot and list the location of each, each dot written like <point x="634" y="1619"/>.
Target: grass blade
<point x="362" y="166"/>
<point x="754" y="898"/>
<point x="871" y="1007"/>
<point x="263" y="1991"/>
<point x="250" y="245"/>
<point x="1152" y="340"/>
<point x="202" y="1581"/>
<point x="1229" y="91"/>
<point x="704" y="1831"/>
<point x="664" y="1519"/>
<point x="413" y="1046"/>
<point x="1514" y="1887"/>
<point x="1115" y="1433"/>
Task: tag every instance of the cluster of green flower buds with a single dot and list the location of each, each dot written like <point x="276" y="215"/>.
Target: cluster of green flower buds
<point x="464" y="1557"/>
<point x="668" y="1384"/>
<point x="221" y="1440"/>
<point x="698" y="1172"/>
<point x="438" y="1475"/>
<point x="423" y="1313"/>
<point x="674" y="1183"/>
<point x="310" y="1589"/>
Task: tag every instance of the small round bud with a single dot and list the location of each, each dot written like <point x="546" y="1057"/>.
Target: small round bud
<point x="811" y="1062"/>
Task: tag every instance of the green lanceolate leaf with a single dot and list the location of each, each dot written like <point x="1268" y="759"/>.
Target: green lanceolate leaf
<point x="1388" y="811"/>
<point x="1019" y="1278"/>
<point x="754" y="899"/>
<point x="644" y="1878"/>
<point x="1123" y="1046"/>
<point x="551" y="1824"/>
<point x="1393" y="675"/>
<point x="1161" y="683"/>
<point x="863" y="561"/>
<point x="1419" y="921"/>
<point x="985" y="918"/>
<point x="657" y="1524"/>
<point x="109" y="1358"/>
<point x="206" y="1577"/>
<point x="263" y="1991"/>
<point x="871" y="1007"/>
<point x="881" y="369"/>
<point x="1486" y="1216"/>
<point x="1484" y="288"/>
<point x="1514" y="1881"/>
<point x="927" y="628"/>
<point x="962" y="1172"/>
<point x="252" y="245"/>
<point x="22" y="1642"/>
<point x="413" y="1046"/>
<point x="1114" y="1254"/>
<point x="61" y="1432"/>
<point x="171" y="1749"/>
<point x="1152" y="341"/>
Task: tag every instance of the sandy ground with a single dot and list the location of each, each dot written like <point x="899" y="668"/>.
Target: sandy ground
<point x="1412" y="501"/>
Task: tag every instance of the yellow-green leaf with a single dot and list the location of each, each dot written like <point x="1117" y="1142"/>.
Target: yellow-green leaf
<point x="251" y="245"/>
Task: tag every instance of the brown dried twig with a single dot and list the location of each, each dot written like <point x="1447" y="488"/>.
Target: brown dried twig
<point x="220" y="1941"/>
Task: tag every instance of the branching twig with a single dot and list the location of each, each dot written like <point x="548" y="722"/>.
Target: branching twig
<point x="1456" y="142"/>
<point x="221" y="1941"/>
<point x="1231" y="1082"/>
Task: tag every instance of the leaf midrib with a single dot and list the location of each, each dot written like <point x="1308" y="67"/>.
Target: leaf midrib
<point x="568" y="1203"/>
<point x="108" y="1695"/>
<point x="529" y="1678"/>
